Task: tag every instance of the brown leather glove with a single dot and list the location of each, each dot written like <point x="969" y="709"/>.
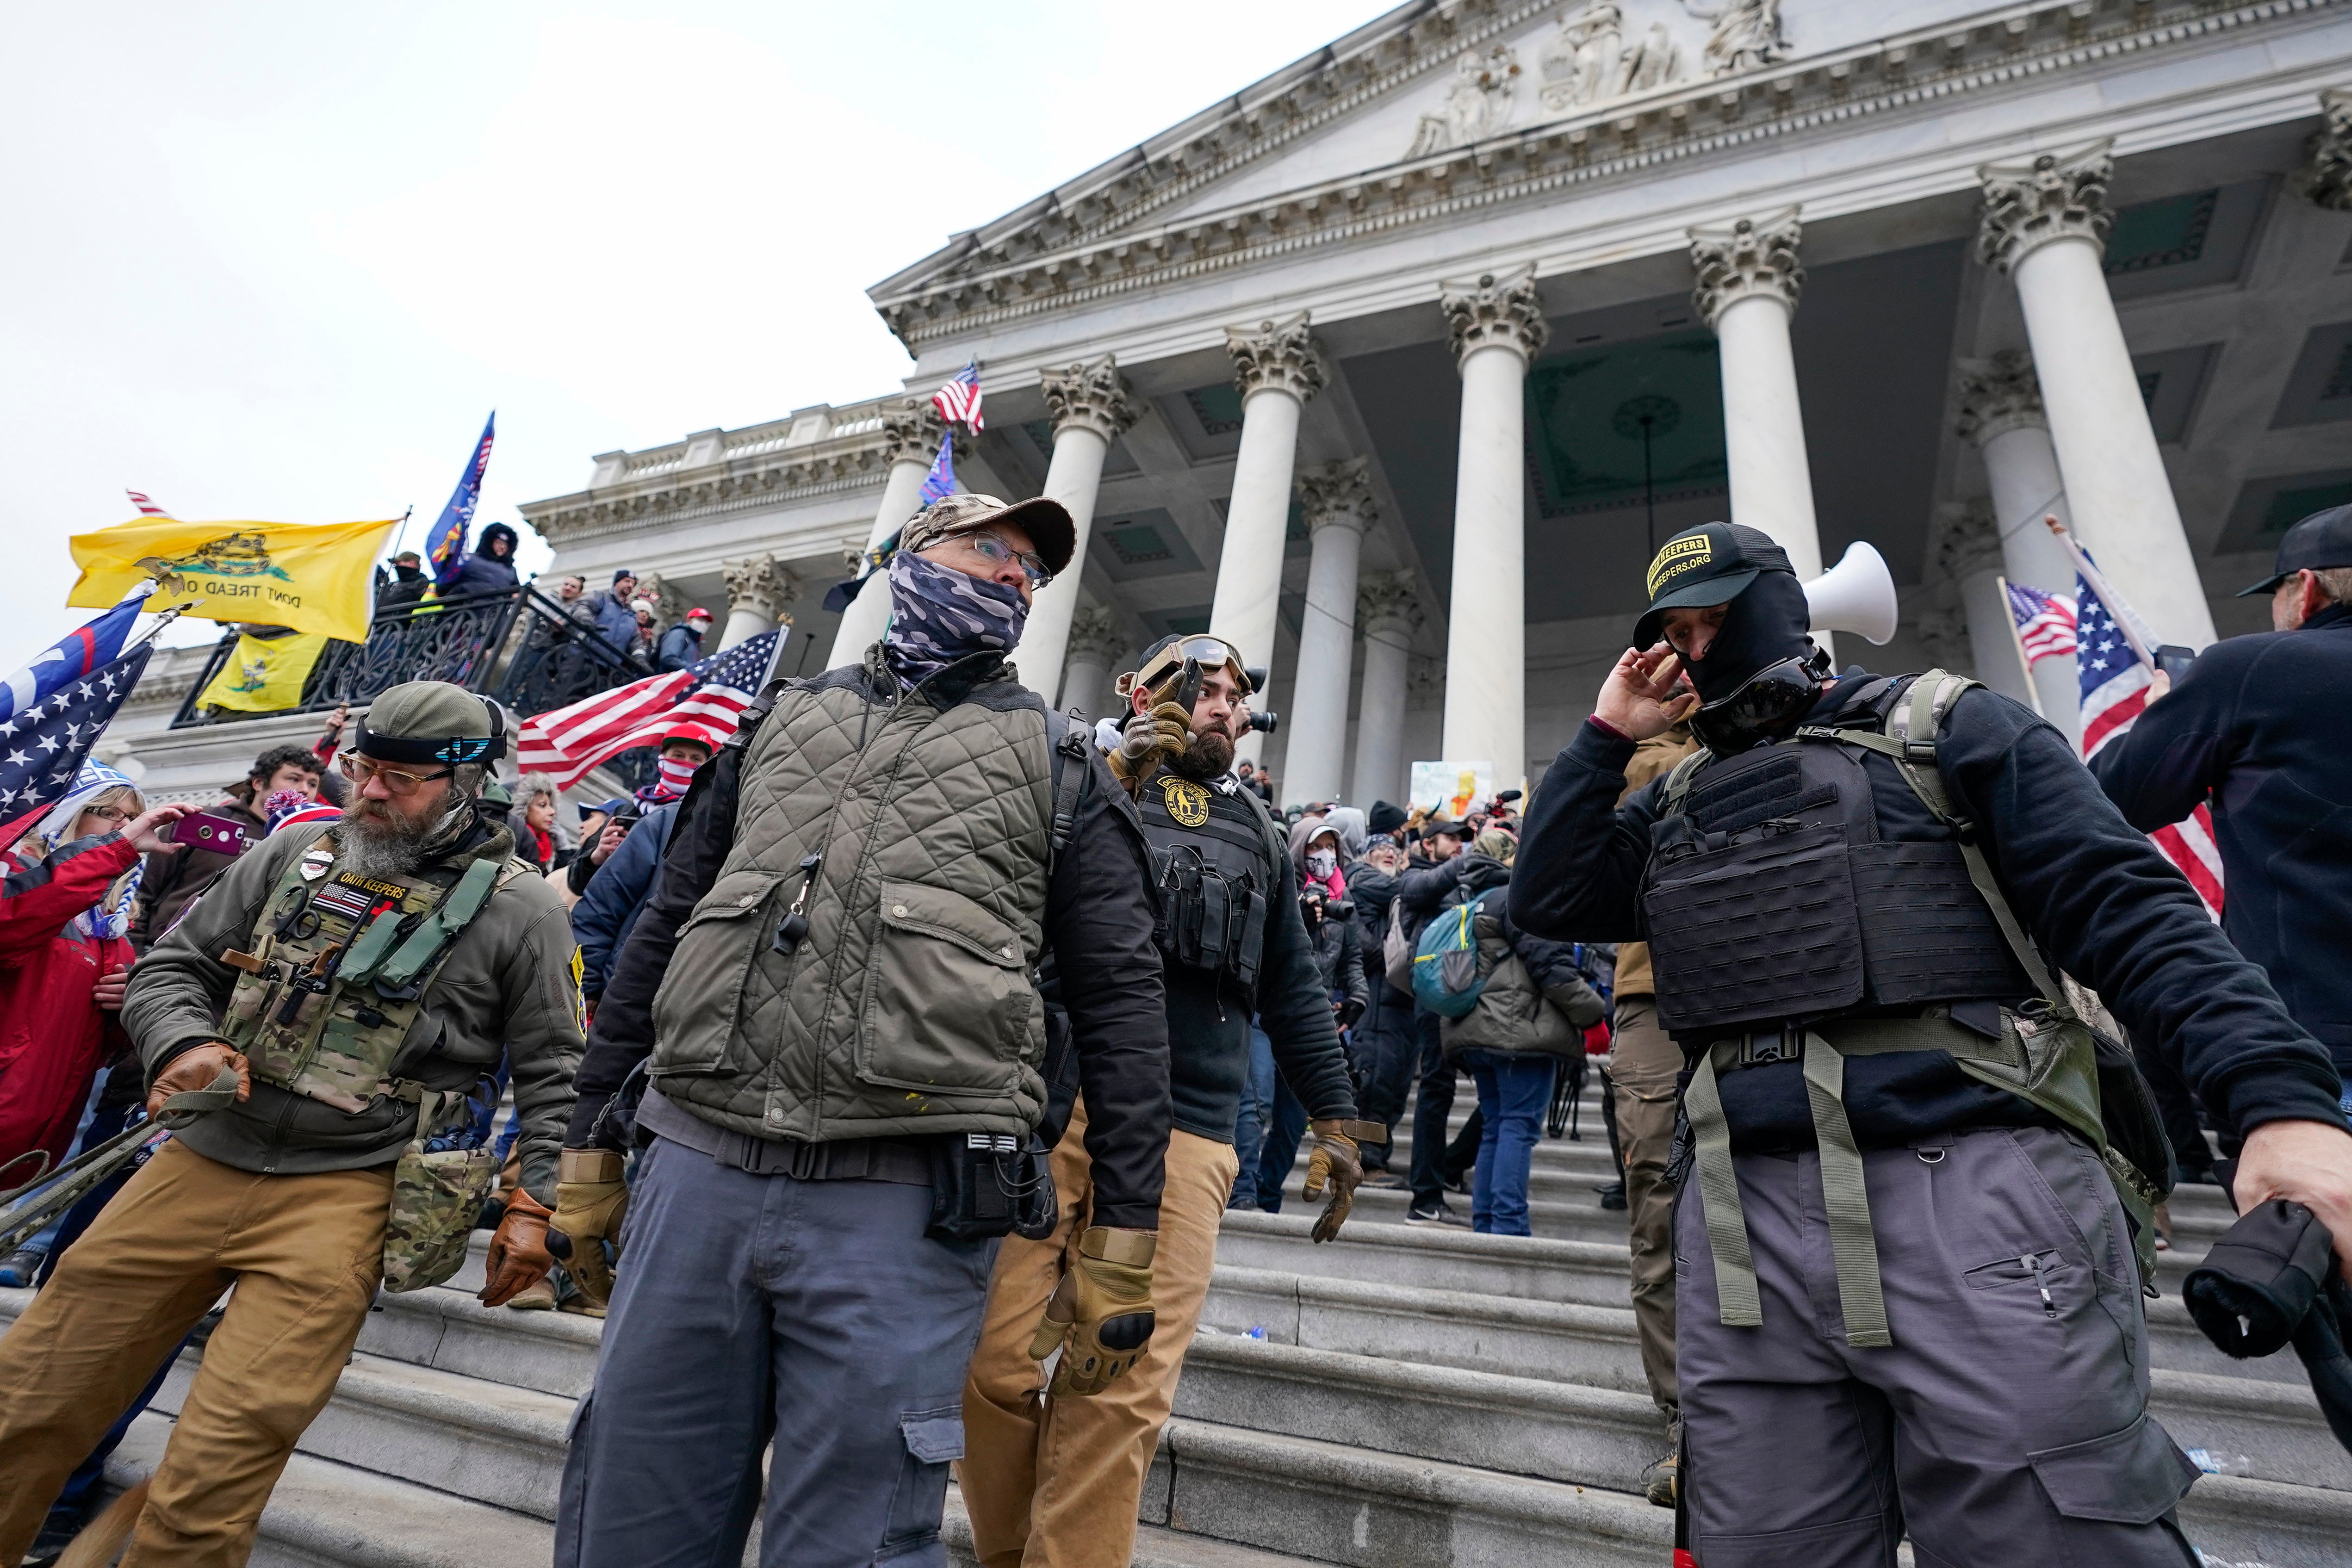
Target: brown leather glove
<point x="590" y="1199"/>
<point x="1150" y="739"/>
<point x="1101" y="1312"/>
<point x="519" y="1254"/>
<point x="195" y="1067"/>
<point x="1331" y="1160"/>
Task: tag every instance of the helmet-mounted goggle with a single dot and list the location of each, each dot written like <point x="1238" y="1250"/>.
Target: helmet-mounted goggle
<point x="1209" y="653"/>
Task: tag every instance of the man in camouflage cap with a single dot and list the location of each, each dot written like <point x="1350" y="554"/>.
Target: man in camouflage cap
<point x="362" y="979"/>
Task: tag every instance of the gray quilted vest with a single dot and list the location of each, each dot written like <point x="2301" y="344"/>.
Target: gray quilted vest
<point x="913" y="840"/>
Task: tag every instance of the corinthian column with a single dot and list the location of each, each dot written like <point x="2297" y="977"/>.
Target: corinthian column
<point x="2001" y="413"/>
<point x="1496" y="325"/>
<point x="1089" y="402"/>
<point x="1339" y="507"/>
<point x="1746" y="291"/>
<point x="1277" y="368"/>
<point x="1096" y="644"/>
<point x="911" y="434"/>
<point x="757" y="591"/>
<point x="1389" y="610"/>
<point x="2045" y="224"/>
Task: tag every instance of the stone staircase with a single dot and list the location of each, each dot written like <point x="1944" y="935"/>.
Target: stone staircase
<point x="1404" y="1397"/>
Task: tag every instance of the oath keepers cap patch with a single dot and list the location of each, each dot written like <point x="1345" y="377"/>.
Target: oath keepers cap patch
<point x="1679" y="556"/>
<point x="1187" y="803"/>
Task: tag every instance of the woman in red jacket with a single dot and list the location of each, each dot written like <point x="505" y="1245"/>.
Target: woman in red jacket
<point x="64" y="905"/>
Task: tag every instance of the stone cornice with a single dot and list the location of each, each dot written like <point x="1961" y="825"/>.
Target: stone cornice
<point x="1633" y="137"/>
<point x="1280" y="356"/>
<point x="2057" y="195"/>
<point x="1752" y="258"/>
<point x="1089" y="396"/>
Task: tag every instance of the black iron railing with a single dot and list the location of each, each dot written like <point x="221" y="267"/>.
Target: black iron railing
<point x="517" y="646"/>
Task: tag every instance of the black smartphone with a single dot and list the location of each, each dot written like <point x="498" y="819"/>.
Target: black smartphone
<point x="2174" y="660"/>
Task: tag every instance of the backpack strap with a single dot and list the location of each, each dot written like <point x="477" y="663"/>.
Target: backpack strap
<point x="1678" y="782"/>
<point x="1070" y="741"/>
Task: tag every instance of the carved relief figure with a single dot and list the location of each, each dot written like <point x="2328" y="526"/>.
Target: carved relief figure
<point x="1653" y="63"/>
<point x="1580" y="62"/>
<point x="1477" y="102"/>
<point x="1746" y="34"/>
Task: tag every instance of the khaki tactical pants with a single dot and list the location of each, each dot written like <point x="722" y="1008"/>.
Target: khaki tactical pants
<point x="304" y="1252"/>
<point x="1054" y="1483"/>
<point x="1642" y="1067"/>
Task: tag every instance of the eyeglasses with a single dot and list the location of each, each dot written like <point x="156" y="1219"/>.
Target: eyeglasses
<point x="996" y="552"/>
<point x="359" y="769"/>
<point x="109" y="813"/>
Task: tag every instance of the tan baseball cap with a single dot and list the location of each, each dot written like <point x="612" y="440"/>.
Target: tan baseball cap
<point x="1042" y="519"/>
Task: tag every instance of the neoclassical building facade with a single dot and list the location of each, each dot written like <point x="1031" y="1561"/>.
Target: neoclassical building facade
<point x="1394" y="368"/>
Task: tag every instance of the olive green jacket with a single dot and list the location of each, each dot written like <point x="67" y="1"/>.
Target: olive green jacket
<point x="507" y="987"/>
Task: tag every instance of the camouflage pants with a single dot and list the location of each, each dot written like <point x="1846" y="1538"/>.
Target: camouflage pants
<point x="303" y="1252"/>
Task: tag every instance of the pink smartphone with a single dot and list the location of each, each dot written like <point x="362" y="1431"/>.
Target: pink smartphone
<point x="205" y="830"/>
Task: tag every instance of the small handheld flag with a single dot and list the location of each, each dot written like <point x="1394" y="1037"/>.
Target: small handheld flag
<point x="958" y="400"/>
<point x="940" y="482"/>
<point x="76" y="653"/>
<point x="445" y="547"/>
<point x="42" y="748"/>
<point x="147" y="508"/>
<point x="2045" y="622"/>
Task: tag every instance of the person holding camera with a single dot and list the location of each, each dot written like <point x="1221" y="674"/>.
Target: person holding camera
<point x="832" y="994"/>
<point x="1048" y="1478"/>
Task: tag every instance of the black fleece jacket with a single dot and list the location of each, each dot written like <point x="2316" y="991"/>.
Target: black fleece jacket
<point x="2097" y="897"/>
<point x="2260" y="724"/>
<point x="1099" y="927"/>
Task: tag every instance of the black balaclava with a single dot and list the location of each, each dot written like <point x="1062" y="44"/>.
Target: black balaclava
<point x="1765" y="624"/>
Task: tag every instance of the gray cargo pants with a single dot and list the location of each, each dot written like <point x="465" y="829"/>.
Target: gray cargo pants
<point x="751" y="1307"/>
<point x="1999" y="1428"/>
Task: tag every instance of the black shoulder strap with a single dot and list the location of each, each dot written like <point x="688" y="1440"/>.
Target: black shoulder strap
<point x="1070" y="740"/>
<point x="1277" y="842"/>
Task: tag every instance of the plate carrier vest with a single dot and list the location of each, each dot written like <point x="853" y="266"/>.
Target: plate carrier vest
<point x="1214" y="862"/>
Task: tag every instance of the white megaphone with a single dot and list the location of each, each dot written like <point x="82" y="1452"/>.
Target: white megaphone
<point x="1857" y="594"/>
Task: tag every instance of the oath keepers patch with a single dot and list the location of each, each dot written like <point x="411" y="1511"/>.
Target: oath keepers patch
<point x="1677" y="557"/>
<point x="370" y="885"/>
<point x="1187" y="803"/>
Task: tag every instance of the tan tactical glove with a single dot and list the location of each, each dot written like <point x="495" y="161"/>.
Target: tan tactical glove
<point x="590" y="1198"/>
<point x="196" y="1068"/>
<point x="1101" y="1312"/>
<point x="1150" y="739"/>
<point x="519" y="1255"/>
<point x="1332" y="1159"/>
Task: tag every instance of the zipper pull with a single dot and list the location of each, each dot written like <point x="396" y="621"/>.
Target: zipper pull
<point x="794" y="925"/>
<point x="2032" y="1260"/>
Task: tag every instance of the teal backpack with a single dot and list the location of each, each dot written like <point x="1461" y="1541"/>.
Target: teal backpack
<point x="1445" y="978"/>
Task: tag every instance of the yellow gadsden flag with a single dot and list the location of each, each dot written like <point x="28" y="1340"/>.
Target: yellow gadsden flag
<point x="265" y="673"/>
<point x="313" y="577"/>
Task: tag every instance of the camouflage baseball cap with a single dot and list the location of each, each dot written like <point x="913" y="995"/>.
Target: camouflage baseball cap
<point x="432" y="721"/>
<point x="1042" y="519"/>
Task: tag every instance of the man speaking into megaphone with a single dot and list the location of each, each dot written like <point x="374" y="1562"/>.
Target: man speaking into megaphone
<point x="1915" y="1202"/>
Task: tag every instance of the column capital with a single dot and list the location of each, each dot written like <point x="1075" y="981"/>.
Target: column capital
<point x="1943" y="630"/>
<point x="1089" y="396"/>
<point x="1278" y="355"/>
<point x="1968" y="541"/>
<point x="1998" y="395"/>
<point x="1337" y="495"/>
<point x="669" y="599"/>
<point x="763" y="585"/>
<point x="1390" y="602"/>
<point x="1497" y="307"/>
<point x="1424" y="680"/>
<point x="2327" y="171"/>
<point x="911" y="432"/>
<point x="2057" y="195"/>
<point x="1096" y="638"/>
<point x="1744" y="259"/>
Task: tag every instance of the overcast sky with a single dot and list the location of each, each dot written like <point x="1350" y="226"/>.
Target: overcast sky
<point x="276" y="261"/>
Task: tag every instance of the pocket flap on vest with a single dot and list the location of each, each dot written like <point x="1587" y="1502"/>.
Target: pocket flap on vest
<point x="952" y="917"/>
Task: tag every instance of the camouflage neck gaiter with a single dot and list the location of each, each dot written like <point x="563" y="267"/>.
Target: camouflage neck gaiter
<point x="938" y="615"/>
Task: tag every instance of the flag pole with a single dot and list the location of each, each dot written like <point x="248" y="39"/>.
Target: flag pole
<point x="2018" y="644"/>
<point x="2127" y="619"/>
<point x="402" y="532"/>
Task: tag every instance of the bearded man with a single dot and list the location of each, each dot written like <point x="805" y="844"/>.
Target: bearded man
<point x="1053" y="1473"/>
<point x="362" y="979"/>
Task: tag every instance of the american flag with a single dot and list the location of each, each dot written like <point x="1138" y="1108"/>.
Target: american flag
<point x="42" y="748"/>
<point x="568" y="742"/>
<point x="940" y="482"/>
<point x="958" y="401"/>
<point x="2115" y="691"/>
<point x="2045" y="622"/>
<point x="147" y="508"/>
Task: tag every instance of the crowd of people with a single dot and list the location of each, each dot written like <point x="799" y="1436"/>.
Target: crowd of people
<point x="894" y="1060"/>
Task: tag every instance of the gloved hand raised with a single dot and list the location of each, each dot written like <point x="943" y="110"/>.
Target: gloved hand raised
<point x="1101" y="1312"/>
<point x="1331" y="1160"/>
<point x="1148" y="740"/>
<point x="519" y="1255"/>
<point x="590" y="1199"/>
<point x="195" y="1067"/>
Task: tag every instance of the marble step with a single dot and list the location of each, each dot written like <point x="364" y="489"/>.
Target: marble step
<point x="1433" y="1257"/>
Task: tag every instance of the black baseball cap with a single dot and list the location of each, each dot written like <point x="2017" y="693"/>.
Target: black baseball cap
<point x="2321" y="540"/>
<point x="1710" y="565"/>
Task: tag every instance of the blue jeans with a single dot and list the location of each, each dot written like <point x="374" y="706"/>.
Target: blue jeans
<point x="1257" y="1110"/>
<point x="1513" y="1092"/>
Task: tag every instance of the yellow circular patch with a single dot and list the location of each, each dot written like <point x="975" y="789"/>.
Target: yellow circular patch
<point x="1187" y="803"/>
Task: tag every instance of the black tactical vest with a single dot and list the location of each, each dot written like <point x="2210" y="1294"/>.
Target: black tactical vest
<point x="1771" y="897"/>
<point x="1214" y="860"/>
